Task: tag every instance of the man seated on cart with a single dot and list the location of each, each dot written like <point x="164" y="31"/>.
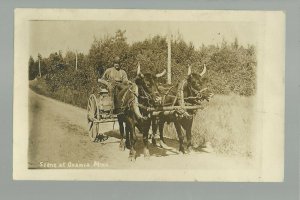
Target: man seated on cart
<point x="113" y="76"/>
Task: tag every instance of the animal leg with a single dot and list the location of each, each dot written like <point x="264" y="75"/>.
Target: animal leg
<point x="145" y="139"/>
<point x="154" y="131"/>
<point x="180" y="136"/>
<point x="127" y="131"/>
<point x="132" y="152"/>
<point x="188" y="129"/>
<point x="122" y="129"/>
<point x="161" y="131"/>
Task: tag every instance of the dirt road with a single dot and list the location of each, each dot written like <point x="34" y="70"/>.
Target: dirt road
<point x="58" y="138"/>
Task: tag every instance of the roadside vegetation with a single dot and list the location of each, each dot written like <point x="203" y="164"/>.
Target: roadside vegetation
<point x="226" y="122"/>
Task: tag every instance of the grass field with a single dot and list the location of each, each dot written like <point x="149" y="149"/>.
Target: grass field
<point x="226" y="121"/>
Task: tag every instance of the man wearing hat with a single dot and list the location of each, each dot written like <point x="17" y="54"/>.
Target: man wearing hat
<point x="115" y="74"/>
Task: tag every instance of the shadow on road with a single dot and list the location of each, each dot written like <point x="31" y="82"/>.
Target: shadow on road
<point x="157" y="151"/>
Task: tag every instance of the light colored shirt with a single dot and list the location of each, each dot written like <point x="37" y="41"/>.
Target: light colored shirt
<point x="112" y="74"/>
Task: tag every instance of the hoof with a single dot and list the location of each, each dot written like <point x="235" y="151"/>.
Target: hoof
<point x="154" y="142"/>
<point x="208" y="148"/>
<point x="127" y="145"/>
<point x="132" y="155"/>
<point x="190" y="150"/>
<point x="146" y="153"/>
<point x="182" y="150"/>
<point x="122" y="146"/>
<point x="131" y="158"/>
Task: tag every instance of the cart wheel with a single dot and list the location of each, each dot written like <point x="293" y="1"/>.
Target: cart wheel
<point x="92" y="115"/>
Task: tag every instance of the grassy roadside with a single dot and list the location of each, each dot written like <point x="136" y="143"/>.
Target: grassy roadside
<point x="226" y="122"/>
<point x="64" y="94"/>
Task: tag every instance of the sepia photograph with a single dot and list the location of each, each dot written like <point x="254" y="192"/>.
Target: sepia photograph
<point x="149" y="95"/>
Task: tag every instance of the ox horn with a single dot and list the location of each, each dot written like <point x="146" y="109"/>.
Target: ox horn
<point x="161" y="74"/>
<point x="189" y="70"/>
<point x="204" y="70"/>
<point x="138" y="69"/>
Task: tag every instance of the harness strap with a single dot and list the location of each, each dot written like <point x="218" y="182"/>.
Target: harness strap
<point x="122" y="107"/>
<point x="166" y="94"/>
<point x="131" y="100"/>
<point x="123" y="99"/>
<point x="147" y="96"/>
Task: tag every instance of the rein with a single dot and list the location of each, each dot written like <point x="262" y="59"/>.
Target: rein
<point x="147" y="96"/>
<point x="167" y="93"/>
<point x="130" y="101"/>
<point x="196" y="92"/>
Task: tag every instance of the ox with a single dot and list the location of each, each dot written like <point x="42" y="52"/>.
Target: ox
<point x="187" y="92"/>
<point x="144" y="91"/>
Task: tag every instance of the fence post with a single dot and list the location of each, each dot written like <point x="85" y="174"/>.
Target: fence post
<point x="40" y="74"/>
<point x="169" y="60"/>
<point x="76" y="60"/>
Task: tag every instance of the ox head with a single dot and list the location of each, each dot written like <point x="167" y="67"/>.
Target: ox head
<point x="148" y="86"/>
<point x="195" y="80"/>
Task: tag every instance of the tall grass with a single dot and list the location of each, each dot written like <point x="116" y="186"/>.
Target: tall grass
<point x="226" y="122"/>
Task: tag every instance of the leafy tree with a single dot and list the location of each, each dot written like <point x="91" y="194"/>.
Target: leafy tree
<point x="231" y="67"/>
<point x="33" y="71"/>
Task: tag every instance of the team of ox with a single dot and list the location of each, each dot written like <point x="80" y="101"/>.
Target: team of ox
<point x="146" y="103"/>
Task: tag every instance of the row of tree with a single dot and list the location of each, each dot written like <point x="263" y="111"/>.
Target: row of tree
<point x="231" y="68"/>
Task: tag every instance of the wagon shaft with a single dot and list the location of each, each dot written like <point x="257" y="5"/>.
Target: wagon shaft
<point x="94" y="120"/>
<point x="165" y="113"/>
<point x="171" y="108"/>
<point x="105" y="120"/>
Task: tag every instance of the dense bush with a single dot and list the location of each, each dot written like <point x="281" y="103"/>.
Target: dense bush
<point x="231" y="68"/>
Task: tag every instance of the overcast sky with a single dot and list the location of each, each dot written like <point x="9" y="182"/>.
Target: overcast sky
<point x="51" y="36"/>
